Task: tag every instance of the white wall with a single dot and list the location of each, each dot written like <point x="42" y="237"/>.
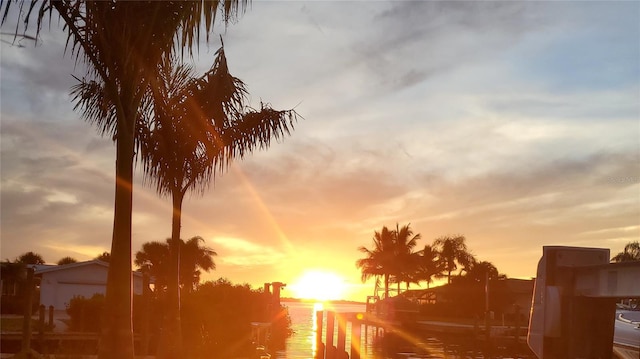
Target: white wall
<point x="59" y="286"/>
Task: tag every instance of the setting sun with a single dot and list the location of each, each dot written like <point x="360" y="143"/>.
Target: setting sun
<point x="318" y="285"/>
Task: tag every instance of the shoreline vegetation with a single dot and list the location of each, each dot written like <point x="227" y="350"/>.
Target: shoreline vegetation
<point x="330" y="301"/>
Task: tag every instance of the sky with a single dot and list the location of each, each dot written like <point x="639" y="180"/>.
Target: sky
<point x="515" y="124"/>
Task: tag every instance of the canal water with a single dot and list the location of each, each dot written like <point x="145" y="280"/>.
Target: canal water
<point x="302" y="344"/>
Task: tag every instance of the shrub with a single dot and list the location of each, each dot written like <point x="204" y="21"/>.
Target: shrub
<point x="216" y="320"/>
<point x="85" y="314"/>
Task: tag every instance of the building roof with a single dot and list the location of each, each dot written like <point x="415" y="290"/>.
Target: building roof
<point x="48" y="268"/>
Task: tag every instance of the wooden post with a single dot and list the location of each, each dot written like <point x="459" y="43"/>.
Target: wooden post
<point x="51" y="317"/>
<point x="319" y="345"/>
<point x="342" y="334"/>
<point x="41" y="327"/>
<point x="146" y="300"/>
<point x="26" y="351"/>
<point x="355" y="339"/>
<point x="329" y="352"/>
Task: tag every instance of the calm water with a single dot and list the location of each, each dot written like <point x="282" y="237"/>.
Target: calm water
<point x="302" y="344"/>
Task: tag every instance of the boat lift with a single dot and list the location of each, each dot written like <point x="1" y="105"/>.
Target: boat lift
<point x="574" y="302"/>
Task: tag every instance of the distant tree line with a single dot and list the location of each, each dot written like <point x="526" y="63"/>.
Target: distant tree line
<point x="393" y="259"/>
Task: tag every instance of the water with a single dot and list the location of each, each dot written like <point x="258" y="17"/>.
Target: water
<point x="302" y="344"/>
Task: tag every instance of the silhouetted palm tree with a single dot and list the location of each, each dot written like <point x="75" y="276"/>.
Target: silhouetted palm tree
<point x="379" y="261"/>
<point x="198" y="126"/>
<point x="453" y="252"/>
<point x="30" y="258"/>
<point x="195" y="258"/>
<point x="154" y="259"/>
<point x="405" y="259"/>
<point x="630" y="253"/>
<point x="428" y="265"/>
<point x="480" y="271"/>
<point x="123" y="44"/>
<point x="66" y="260"/>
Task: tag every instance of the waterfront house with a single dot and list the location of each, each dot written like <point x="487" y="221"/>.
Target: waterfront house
<point x="60" y="283"/>
<point x="507" y="296"/>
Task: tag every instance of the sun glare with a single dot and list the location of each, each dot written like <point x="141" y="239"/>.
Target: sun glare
<point x="318" y="285"/>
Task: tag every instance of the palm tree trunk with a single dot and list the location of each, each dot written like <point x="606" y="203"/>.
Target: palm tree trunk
<point x="170" y="346"/>
<point x="117" y="330"/>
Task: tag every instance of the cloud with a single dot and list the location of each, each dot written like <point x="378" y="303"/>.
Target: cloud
<point x="513" y="123"/>
<point x="245" y="253"/>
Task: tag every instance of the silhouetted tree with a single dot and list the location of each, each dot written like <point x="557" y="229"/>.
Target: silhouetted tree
<point x="30" y="258"/>
<point x="123" y="44"/>
<point x="405" y="259"/>
<point x="380" y="260"/>
<point x="428" y="265"/>
<point x="630" y="253"/>
<point x="154" y="259"/>
<point x="66" y="260"/>
<point x="478" y="272"/>
<point x="104" y="256"/>
<point x="198" y="126"/>
<point x="194" y="258"/>
<point x="453" y="252"/>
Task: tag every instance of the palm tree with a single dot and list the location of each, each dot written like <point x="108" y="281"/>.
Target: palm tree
<point x="30" y="258"/>
<point x="379" y="261"/>
<point x="123" y="44"/>
<point x="480" y="271"/>
<point x="428" y="265"/>
<point x="66" y="260"/>
<point x="194" y="258"/>
<point x="405" y="259"/>
<point x="154" y="260"/>
<point x="198" y="126"/>
<point x="630" y="253"/>
<point x="453" y="252"/>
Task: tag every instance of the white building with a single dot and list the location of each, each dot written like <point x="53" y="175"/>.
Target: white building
<point x="60" y="283"/>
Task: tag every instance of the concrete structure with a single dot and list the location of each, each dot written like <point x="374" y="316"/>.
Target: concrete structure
<point x="60" y="283"/>
<point x="574" y="302"/>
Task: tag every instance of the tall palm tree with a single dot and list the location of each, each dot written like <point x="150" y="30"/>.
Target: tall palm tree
<point x="405" y="259"/>
<point x="123" y="44"/>
<point x="379" y="261"/>
<point x="453" y="252"/>
<point x="198" y="126"/>
<point x="630" y="253"/>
